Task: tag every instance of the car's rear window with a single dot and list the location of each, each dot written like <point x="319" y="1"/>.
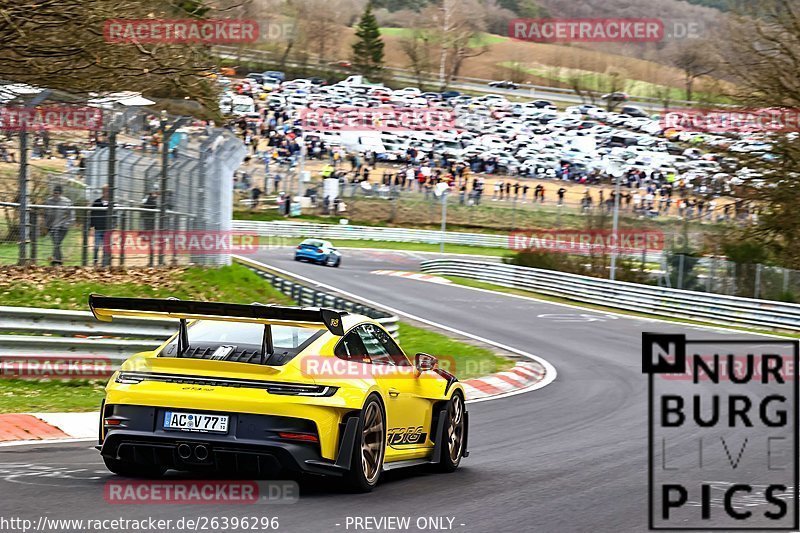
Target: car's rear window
<point x="211" y="331"/>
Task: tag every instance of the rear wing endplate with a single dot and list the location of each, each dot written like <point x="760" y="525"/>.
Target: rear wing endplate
<point x="105" y="308"/>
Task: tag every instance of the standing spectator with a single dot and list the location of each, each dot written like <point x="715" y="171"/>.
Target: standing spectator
<point x="537" y="192"/>
<point x="561" y="192"/>
<point x="150" y="202"/>
<point x="58" y="221"/>
<point x="255" y="194"/>
<point x="99" y="221"/>
<point x="525" y="191"/>
<point x="516" y="190"/>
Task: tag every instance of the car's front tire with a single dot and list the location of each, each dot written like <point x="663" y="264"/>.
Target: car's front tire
<point x="128" y="469"/>
<point x="369" y="447"/>
<point x="455" y="432"/>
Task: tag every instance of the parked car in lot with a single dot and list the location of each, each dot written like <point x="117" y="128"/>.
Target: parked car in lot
<point x="617" y="96"/>
<point x="318" y="251"/>
<point x="505" y="84"/>
<point x="633" y="111"/>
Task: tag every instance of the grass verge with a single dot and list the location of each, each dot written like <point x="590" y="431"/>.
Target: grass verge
<point x="464" y="360"/>
<point x="28" y="396"/>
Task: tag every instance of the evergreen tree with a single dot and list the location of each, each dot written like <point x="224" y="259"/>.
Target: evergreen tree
<point x="368" y="48"/>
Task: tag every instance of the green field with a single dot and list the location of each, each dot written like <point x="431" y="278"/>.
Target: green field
<point x="481" y="39"/>
<point x="233" y="283"/>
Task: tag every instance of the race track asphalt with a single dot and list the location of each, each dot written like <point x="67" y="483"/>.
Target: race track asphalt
<point x="570" y="457"/>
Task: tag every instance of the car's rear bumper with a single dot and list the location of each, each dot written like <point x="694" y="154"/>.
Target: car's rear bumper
<point x="310" y="256"/>
<point x="252" y="445"/>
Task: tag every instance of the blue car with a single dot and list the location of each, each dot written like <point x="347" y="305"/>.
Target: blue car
<point x="318" y="251"/>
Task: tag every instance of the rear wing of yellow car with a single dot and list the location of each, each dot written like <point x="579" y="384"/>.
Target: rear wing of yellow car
<point x="105" y="308"/>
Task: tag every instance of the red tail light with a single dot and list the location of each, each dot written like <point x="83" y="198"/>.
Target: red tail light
<point x="305" y="437"/>
<point x="112" y="422"/>
<point x="319" y="250"/>
<point x="299" y="247"/>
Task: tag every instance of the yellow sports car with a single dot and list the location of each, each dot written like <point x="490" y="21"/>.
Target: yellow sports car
<point x="260" y="388"/>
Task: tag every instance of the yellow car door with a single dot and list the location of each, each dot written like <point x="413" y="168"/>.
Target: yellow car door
<point x="409" y="424"/>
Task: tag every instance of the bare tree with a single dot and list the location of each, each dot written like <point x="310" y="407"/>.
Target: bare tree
<point x="457" y="23"/>
<point x="416" y="46"/>
<point x="695" y="61"/>
<point x="762" y="55"/>
<point x="61" y="43"/>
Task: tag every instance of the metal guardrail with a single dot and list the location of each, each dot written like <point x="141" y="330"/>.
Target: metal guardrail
<point x="309" y="296"/>
<point x="661" y="301"/>
<point x="369" y="233"/>
<point x="60" y="322"/>
<point x="29" y="331"/>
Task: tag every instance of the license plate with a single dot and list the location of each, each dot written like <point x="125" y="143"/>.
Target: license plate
<point x="195" y="422"/>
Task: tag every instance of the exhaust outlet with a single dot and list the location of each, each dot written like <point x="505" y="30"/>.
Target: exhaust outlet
<point x="184" y="451"/>
<point x="200" y="452"/>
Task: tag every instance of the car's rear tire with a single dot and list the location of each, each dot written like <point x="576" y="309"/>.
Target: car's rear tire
<point x="369" y="448"/>
<point x="455" y="431"/>
<point x="127" y="469"/>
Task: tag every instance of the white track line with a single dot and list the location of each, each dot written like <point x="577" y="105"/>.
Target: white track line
<point x="550" y="370"/>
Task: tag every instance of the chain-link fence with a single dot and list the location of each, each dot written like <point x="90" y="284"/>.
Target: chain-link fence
<point x="720" y="276"/>
<point x="134" y="188"/>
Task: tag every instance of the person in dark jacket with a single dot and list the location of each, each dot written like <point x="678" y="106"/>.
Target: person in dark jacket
<point x="99" y="221"/>
<point x="58" y="221"/>
<point x="149" y="219"/>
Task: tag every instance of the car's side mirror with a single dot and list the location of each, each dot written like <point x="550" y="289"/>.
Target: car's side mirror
<point x="424" y="362"/>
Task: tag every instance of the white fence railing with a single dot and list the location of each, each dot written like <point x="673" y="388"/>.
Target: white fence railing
<point x="281" y="231"/>
<point x="660" y="301"/>
<point x="369" y="233"/>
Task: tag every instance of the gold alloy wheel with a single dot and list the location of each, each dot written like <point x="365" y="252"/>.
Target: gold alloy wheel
<point x="455" y="428"/>
<point x="372" y="442"/>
